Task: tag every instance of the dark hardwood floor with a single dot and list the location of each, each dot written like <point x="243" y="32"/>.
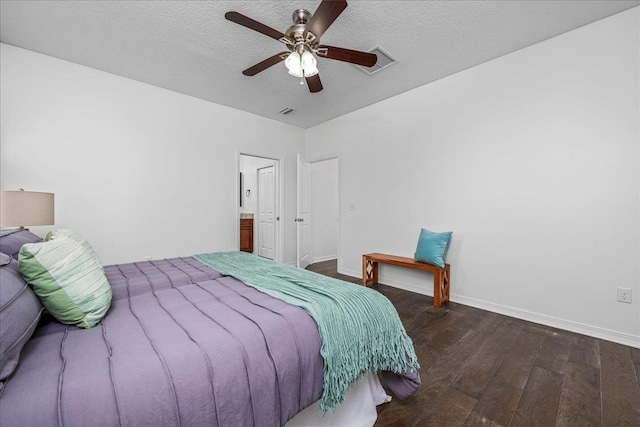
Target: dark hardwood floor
<point x="483" y="368"/>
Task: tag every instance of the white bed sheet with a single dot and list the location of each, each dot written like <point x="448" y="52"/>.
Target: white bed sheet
<point x="357" y="410"/>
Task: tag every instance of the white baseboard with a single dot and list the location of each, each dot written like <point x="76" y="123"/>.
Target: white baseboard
<point x="543" y="319"/>
<point x="324" y="258"/>
<point x="555" y="322"/>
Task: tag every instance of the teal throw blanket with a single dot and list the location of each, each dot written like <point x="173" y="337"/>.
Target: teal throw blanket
<point x="359" y="327"/>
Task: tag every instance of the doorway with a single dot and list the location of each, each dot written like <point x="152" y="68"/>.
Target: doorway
<point x="318" y="210"/>
<point x="325" y="216"/>
<point x="259" y="186"/>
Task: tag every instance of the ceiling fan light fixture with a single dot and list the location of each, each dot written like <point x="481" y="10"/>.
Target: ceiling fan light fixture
<point x="301" y="66"/>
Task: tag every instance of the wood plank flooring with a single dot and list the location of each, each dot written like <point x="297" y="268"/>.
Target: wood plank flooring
<point x="482" y="368"/>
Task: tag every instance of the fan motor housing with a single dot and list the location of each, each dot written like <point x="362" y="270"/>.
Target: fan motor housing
<point x="298" y="31"/>
<point x="301" y="16"/>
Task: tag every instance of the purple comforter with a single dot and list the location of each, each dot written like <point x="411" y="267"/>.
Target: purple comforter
<point x="180" y="346"/>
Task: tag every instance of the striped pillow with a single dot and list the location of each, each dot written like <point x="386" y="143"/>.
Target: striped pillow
<point x="68" y="278"/>
<point x="72" y="235"/>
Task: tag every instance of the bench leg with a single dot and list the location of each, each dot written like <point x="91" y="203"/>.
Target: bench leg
<point x="441" y="286"/>
<point x="369" y="271"/>
<point x="365" y="276"/>
<point x="437" y="282"/>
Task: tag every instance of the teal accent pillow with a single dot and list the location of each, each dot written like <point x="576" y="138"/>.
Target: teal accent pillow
<point x="68" y="279"/>
<point x="432" y="247"/>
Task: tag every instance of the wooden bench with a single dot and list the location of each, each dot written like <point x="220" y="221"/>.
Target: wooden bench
<point x="441" y="275"/>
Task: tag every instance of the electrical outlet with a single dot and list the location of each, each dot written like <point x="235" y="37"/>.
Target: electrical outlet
<point x="624" y="295"/>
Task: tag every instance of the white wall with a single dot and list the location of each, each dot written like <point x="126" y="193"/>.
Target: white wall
<point x="531" y="159"/>
<point x="324" y="210"/>
<point x="138" y="170"/>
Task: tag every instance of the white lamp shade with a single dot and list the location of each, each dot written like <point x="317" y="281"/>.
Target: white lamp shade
<point x="20" y="208"/>
<point x="294" y="64"/>
<point x="310" y="71"/>
<point x="296" y="72"/>
<point x="309" y="64"/>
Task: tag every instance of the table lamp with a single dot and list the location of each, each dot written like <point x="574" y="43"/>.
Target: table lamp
<point x="20" y="208"/>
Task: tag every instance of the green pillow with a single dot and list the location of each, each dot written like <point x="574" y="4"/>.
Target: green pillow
<point x="68" y="278"/>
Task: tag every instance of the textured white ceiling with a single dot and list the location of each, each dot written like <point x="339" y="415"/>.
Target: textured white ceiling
<point x="188" y="46"/>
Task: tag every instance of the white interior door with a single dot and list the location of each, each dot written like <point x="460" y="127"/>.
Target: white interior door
<point x="303" y="217"/>
<point x="266" y="212"/>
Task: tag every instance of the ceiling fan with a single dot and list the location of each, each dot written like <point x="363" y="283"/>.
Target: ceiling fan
<point x="303" y="41"/>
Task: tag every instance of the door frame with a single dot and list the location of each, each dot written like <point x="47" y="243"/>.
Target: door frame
<point x="279" y="164"/>
<point x="335" y="156"/>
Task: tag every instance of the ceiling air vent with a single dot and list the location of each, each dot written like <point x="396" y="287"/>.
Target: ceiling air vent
<point x="286" y="110"/>
<point x="384" y="60"/>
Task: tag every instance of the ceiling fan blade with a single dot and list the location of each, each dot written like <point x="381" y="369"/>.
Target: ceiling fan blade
<point x="324" y="16"/>
<point x="263" y="65"/>
<point x="314" y="83"/>
<point x="347" y="55"/>
<point x="254" y="25"/>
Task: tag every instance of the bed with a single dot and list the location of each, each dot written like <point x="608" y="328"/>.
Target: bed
<point x="184" y="345"/>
